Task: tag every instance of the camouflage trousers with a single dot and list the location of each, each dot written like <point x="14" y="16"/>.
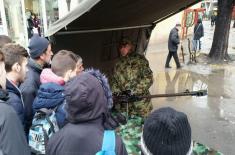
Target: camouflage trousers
<point x="200" y="149"/>
<point x="131" y="134"/>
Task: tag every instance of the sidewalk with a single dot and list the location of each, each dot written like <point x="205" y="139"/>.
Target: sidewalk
<point x="212" y="117"/>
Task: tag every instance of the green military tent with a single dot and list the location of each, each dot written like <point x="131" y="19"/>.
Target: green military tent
<point x="94" y="28"/>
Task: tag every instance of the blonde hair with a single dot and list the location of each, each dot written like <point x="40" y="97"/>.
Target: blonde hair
<point x="2" y="71"/>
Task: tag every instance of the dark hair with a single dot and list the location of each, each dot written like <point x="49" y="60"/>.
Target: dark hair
<point x="4" y="40"/>
<point x="44" y="52"/>
<point x="2" y="59"/>
<point x="199" y="20"/>
<point x="63" y="61"/>
<point x="13" y="53"/>
<point x="125" y="41"/>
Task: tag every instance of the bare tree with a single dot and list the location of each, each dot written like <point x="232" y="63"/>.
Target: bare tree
<point x="219" y="47"/>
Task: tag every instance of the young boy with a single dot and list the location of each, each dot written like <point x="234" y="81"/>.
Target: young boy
<point x="65" y="65"/>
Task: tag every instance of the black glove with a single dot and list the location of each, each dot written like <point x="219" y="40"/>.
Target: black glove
<point x="125" y="97"/>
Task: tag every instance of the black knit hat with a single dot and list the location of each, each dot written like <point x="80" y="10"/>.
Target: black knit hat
<point x="167" y="132"/>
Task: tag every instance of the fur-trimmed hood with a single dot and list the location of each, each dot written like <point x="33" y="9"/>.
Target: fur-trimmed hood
<point x="104" y="82"/>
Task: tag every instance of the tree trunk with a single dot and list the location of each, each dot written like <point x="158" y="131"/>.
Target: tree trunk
<point x="219" y="47"/>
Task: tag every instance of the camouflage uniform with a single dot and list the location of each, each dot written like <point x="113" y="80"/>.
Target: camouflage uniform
<point x="200" y="149"/>
<point x="133" y="73"/>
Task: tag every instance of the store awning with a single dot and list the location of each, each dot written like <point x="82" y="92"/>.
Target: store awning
<point x="101" y="15"/>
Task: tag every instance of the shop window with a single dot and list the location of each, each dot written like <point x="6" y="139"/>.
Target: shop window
<point x="52" y="11"/>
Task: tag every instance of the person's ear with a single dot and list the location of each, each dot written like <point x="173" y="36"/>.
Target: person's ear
<point x="67" y="75"/>
<point x="16" y="67"/>
<point x="42" y="56"/>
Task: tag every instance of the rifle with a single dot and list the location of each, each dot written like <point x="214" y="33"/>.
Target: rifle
<point x="128" y="97"/>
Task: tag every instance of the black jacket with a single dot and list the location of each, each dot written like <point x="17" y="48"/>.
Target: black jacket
<point x="29" y="90"/>
<point x="173" y="40"/>
<point x="86" y="107"/>
<point x="198" y="31"/>
<point x="12" y="137"/>
<point x="16" y="100"/>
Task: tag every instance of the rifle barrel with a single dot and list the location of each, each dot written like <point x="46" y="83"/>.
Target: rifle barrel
<point x="192" y="93"/>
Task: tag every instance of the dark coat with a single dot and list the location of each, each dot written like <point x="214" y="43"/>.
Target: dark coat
<point x="50" y="96"/>
<point x="29" y="90"/>
<point x="198" y="31"/>
<point x="173" y="40"/>
<point x="16" y="100"/>
<point x="12" y="136"/>
<point x="81" y="139"/>
<point x="86" y="107"/>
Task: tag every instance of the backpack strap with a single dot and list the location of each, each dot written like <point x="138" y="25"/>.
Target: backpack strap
<point x="109" y="141"/>
<point x="47" y="113"/>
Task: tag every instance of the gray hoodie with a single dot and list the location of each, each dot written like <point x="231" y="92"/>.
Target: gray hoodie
<point x="86" y="113"/>
<point x="12" y="136"/>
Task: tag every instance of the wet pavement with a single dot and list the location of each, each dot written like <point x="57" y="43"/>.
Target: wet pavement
<point x="212" y="117"/>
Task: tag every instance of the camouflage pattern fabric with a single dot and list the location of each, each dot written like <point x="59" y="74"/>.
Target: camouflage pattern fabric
<point x="133" y="73"/>
<point x="131" y="133"/>
<point x="200" y="149"/>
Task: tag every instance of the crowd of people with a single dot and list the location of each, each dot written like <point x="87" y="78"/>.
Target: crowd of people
<point x="80" y="101"/>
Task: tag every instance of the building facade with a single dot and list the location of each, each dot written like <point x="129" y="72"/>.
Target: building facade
<point x="16" y="16"/>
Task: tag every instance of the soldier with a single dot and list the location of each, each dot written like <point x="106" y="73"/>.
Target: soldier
<point x="132" y="72"/>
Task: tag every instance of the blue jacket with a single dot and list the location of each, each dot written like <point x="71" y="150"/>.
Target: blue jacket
<point x="29" y="90"/>
<point x="173" y="40"/>
<point x="50" y="95"/>
<point x="16" y="100"/>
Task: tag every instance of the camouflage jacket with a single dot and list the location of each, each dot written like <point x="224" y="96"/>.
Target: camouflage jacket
<point x="200" y="149"/>
<point x="132" y="72"/>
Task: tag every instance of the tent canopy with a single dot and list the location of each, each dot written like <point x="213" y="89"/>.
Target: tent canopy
<point x="116" y="14"/>
<point x="94" y="29"/>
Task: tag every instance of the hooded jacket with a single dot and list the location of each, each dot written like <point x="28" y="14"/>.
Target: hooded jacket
<point x="86" y="113"/>
<point x="16" y="100"/>
<point x="12" y="136"/>
<point x="50" y="96"/>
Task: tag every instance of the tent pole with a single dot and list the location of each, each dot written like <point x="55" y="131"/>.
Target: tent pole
<point x="102" y="30"/>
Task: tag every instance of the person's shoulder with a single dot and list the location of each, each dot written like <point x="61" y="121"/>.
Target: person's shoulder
<point x="173" y="29"/>
<point x="137" y="55"/>
<point x="52" y="85"/>
<point x="6" y="110"/>
<point x="13" y="97"/>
